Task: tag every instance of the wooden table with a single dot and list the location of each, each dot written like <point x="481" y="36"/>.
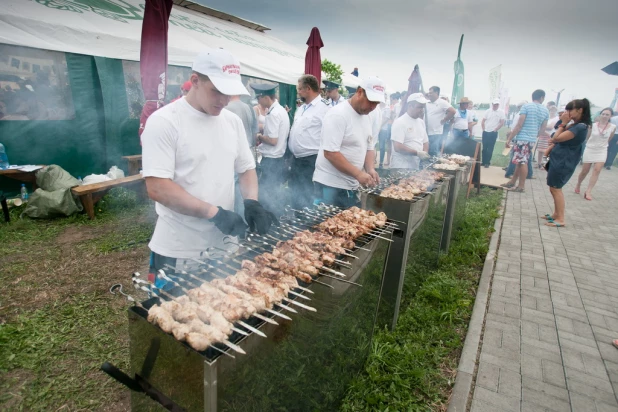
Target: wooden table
<point x="26" y="177"/>
<point x="92" y="193"/>
<point x="134" y="162"/>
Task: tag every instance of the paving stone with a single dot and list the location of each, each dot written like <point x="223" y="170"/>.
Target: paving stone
<point x="544" y="400"/>
<point x="594" y="366"/>
<point x="585" y="389"/>
<point x="510" y="383"/>
<point x="582" y="403"/>
<point x="488" y="376"/>
<point x="510" y="364"/>
<point x="532" y="366"/>
<point x="503" y="402"/>
<point x="480" y="406"/>
<point x="575" y="338"/>
<point x="548" y="334"/>
<point x="594" y="381"/>
<point x="553" y="373"/>
<point x="530" y="407"/>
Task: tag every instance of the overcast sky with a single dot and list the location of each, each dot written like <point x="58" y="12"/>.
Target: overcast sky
<point x="545" y="44"/>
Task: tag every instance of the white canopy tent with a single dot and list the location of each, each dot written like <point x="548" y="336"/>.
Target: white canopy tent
<point x="112" y="29"/>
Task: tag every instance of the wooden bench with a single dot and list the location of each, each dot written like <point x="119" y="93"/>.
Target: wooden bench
<point x="92" y="193"/>
<point x="134" y="164"/>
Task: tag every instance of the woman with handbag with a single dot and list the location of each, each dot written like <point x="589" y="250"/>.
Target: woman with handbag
<point x="564" y="151"/>
<point x="595" y="153"/>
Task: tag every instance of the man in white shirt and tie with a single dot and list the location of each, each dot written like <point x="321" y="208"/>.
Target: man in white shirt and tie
<point x="272" y="144"/>
<point x="492" y="122"/>
<point x="304" y="142"/>
<point x="332" y="92"/>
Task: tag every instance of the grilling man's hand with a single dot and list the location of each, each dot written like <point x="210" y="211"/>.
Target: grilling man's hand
<point x="229" y="223"/>
<point x="258" y="218"/>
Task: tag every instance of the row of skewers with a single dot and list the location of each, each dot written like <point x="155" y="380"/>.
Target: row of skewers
<point x="210" y="311"/>
<point x="410" y="187"/>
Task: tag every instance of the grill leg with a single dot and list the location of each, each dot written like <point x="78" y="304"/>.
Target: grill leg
<point x="210" y="387"/>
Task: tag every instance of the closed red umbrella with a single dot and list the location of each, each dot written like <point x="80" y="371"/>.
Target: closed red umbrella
<point x="153" y="56"/>
<point x="313" y="61"/>
<point x="415" y="85"/>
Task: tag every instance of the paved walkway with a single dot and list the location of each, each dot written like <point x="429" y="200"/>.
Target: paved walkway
<point x="553" y="309"/>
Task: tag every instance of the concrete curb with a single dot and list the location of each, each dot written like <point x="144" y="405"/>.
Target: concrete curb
<point x="467" y="363"/>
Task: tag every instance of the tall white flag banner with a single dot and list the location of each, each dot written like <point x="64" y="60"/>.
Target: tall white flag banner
<point x="495" y="80"/>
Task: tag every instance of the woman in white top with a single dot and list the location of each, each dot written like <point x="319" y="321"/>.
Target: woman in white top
<point x="596" y="150"/>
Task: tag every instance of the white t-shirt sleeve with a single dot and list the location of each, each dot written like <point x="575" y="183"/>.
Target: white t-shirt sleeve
<point x="486" y="115"/>
<point x="244" y="161"/>
<point x="398" y="132"/>
<point x="159" y="148"/>
<point x="333" y="130"/>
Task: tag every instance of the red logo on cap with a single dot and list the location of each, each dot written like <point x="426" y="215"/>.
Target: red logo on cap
<point x="231" y="69"/>
<point x="378" y="88"/>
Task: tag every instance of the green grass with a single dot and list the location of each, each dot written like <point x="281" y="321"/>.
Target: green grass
<point x="412" y="368"/>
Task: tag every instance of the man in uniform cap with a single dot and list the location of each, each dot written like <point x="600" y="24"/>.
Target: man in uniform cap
<point x="272" y="145"/>
<point x="191" y="150"/>
<point x="346" y="157"/>
<point x="304" y="140"/>
<point x="351" y="91"/>
<point x="492" y="122"/>
<point x="332" y="92"/>
<point x="409" y="135"/>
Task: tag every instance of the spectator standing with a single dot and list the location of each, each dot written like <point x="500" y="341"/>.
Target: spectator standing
<point x="438" y="114"/>
<point x="462" y="120"/>
<point x="565" y="150"/>
<point x="492" y="122"/>
<point x="532" y="121"/>
<point x="595" y="153"/>
<point x="612" y="149"/>
<point x="474" y="121"/>
<point x="272" y="144"/>
<point x="304" y="140"/>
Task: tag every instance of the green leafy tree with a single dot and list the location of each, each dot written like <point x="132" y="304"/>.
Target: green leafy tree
<point x="333" y="71"/>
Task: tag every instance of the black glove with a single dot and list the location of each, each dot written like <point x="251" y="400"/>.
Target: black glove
<point x="258" y="218"/>
<point x="229" y="223"/>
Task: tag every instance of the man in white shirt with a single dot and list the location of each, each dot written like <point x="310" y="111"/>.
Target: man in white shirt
<point x="346" y="157"/>
<point x="409" y="135"/>
<point x="492" y="122"/>
<point x="332" y="92"/>
<point x="304" y="140"/>
<point x="439" y="112"/>
<point x="272" y="145"/>
<point x="463" y="120"/>
<point x="191" y="150"/>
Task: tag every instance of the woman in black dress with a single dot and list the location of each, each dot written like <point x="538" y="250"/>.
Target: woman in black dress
<point x="565" y="150"/>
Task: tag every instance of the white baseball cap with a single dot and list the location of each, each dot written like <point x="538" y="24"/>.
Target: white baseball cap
<point x="222" y="69"/>
<point x="496" y="101"/>
<point x="417" y="97"/>
<point x="374" y="89"/>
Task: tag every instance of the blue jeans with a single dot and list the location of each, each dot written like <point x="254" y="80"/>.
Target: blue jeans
<point x="461" y="134"/>
<point x="511" y="167"/>
<point x="435" y="144"/>
<point x="337" y="197"/>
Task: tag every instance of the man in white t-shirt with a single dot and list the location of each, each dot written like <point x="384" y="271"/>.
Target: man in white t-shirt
<point x="304" y="140"/>
<point x="191" y="150"/>
<point x="439" y="113"/>
<point x="462" y="121"/>
<point x="346" y="157"/>
<point x="492" y="122"/>
<point x="273" y="143"/>
<point x="409" y="135"/>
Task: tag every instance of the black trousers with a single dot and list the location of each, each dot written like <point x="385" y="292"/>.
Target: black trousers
<point x="301" y="181"/>
<point x="489" y="142"/>
<point x="272" y="176"/>
<point x="612" y="151"/>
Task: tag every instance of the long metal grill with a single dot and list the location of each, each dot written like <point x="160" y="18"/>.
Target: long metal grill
<point x="196" y="281"/>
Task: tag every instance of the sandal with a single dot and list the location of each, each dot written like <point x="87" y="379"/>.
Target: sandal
<point x="517" y="190"/>
<point x="507" y="185"/>
<point x="548" y="217"/>
<point x="554" y="224"/>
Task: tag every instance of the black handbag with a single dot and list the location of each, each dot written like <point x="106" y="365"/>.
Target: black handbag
<point x="546" y="166"/>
